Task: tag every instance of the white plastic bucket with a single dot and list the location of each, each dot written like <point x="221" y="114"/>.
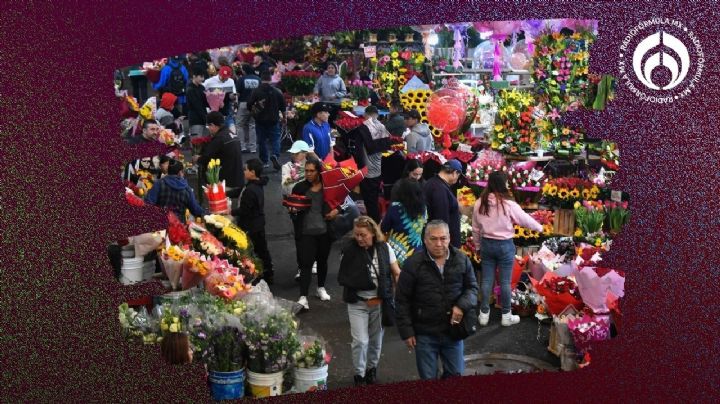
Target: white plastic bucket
<point x="265" y="384"/>
<point x="310" y="379"/>
<point x="132" y="275"/>
<point x="132" y="262"/>
<point x="127" y="253"/>
<point x="148" y="269"/>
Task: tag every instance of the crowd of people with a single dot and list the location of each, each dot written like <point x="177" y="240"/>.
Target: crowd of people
<point x="400" y="266"/>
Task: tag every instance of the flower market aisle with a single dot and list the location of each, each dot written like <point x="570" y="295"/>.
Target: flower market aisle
<point x="329" y="319"/>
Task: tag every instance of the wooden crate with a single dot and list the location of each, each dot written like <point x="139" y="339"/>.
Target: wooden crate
<point x="564" y="222"/>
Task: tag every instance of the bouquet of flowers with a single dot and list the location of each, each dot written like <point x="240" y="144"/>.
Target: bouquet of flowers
<point x="138" y="324"/>
<point x="313" y="352"/>
<point x="225" y="281"/>
<point x="610" y="156"/>
<point x="556" y="254"/>
<point x="127" y="317"/>
<point x="596" y="285"/>
<point x="145" y="181"/>
<point x="195" y="269"/>
<point x="169" y="322"/>
<point x="589" y="218"/>
<point x="523" y="300"/>
<point x="172" y="258"/>
<point x="545" y="218"/>
<point x="204" y="241"/>
<point x="215" y="99"/>
<point x="479" y="171"/>
<point x="558" y="292"/>
<point x="524" y="236"/>
<point x="514" y="131"/>
<point x="271" y="337"/>
<point x="178" y="233"/>
<point x="224" y="349"/>
<point x="359" y="89"/>
<point x="565" y="141"/>
<point x="564" y="192"/>
<point x="132" y="199"/>
<point x="167" y="137"/>
<point x="466" y="240"/>
<point x="347" y="122"/>
<point x="299" y="82"/>
<point x="338" y="181"/>
<point x="198" y="142"/>
<point x="588" y="329"/>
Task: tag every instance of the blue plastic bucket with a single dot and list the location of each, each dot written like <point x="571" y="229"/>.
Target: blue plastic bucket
<point x="227" y="385"/>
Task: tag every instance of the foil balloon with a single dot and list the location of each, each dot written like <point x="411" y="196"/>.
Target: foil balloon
<point x="532" y="30"/>
<point x="484" y="55"/>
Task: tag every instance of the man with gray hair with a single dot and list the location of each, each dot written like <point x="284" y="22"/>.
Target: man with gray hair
<point x="435" y="290"/>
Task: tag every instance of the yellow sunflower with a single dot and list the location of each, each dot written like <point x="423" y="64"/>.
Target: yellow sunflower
<point x="563" y="193"/>
<point x="575" y="193"/>
<point x="553" y="190"/>
<point x="586" y="193"/>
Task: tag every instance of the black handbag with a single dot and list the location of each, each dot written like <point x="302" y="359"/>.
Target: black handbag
<point x="466" y="327"/>
<point x="388" y="312"/>
<point x="344" y="221"/>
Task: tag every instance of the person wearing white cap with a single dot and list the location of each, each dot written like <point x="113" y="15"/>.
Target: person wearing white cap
<point x="292" y="173"/>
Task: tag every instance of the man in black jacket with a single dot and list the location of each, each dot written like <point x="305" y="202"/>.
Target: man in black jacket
<point x="251" y="214"/>
<point x="267" y="106"/>
<point x="436" y="287"/>
<point x="197" y="103"/>
<point x="441" y="202"/>
<point x="226" y="147"/>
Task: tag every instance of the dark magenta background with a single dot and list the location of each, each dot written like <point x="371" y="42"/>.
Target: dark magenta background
<point x="62" y="200"/>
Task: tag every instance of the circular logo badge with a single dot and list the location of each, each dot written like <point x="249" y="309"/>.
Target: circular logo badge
<point x="661" y="60"/>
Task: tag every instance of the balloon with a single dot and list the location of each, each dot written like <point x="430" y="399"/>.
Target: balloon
<point x="518" y="61"/>
<point x="483" y="56"/>
<point x="446" y="109"/>
<point x="532" y="27"/>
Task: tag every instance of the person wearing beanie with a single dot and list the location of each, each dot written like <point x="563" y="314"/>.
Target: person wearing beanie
<point x="174" y="192"/>
<point x="197" y="104"/>
<point x="164" y="114"/>
<point x="223" y="82"/>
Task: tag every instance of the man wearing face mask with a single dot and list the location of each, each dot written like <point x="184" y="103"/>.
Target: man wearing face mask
<point x="372" y="140"/>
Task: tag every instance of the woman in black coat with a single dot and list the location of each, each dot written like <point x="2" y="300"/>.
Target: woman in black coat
<point x="368" y="270"/>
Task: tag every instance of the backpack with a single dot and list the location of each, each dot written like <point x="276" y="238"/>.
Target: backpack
<point x="176" y="82"/>
<point x="265" y="105"/>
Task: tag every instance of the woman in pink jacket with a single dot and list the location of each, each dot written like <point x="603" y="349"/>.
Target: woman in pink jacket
<point x="494" y="215"/>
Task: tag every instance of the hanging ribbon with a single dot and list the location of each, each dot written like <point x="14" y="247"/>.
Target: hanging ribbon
<point x="458" y="48"/>
<point x="497" y="60"/>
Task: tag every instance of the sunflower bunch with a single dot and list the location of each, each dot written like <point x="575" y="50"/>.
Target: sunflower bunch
<point x="415" y="99"/>
<point x="524" y="236"/>
<point x="564" y="192"/>
<point x="514" y="131"/>
<point x="395" y="68"/>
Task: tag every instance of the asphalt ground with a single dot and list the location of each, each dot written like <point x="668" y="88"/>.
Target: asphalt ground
<point x="330" y="319"/>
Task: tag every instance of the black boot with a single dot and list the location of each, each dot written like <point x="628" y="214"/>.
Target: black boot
<point x="359" y="380"/>
<point x="370" y="376"/>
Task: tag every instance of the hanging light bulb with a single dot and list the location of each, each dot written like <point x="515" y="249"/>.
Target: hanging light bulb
<point x="433" y="39"/>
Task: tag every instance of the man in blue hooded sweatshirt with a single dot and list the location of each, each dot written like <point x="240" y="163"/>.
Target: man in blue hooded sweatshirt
<point x="174" y="79"/>
<point x="173" y="192"/>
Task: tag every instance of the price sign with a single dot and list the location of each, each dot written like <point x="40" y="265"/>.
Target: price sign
<point x="370" y="51"/>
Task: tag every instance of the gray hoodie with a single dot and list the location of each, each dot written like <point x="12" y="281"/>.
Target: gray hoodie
<point x="329" y="87"/>
<point x="419" y="139"/>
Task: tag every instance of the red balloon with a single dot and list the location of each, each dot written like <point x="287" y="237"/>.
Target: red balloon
<point x="446" y="109"/>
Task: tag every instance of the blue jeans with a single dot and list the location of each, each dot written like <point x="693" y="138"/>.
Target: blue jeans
<point x="268" y="132"/>
<point x="427" y="350"/>
<point x="497" y="253"/>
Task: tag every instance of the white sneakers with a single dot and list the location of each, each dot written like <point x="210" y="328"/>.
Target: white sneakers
<point x="483" y="318"/>
<point x="509" y="319"/>
<point x="323" y="294"/>
<point x="304" y="302"/>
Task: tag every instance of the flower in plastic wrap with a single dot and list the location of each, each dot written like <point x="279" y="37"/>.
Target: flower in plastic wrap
<point x="172" y="258"/>
<point x="596" y="284"/>
<point x="558" y="292"/>
<point x="236" y="236"/>
<point x="312" y="353"/>
<point x="215" y="99"/>
<point x="587" y="330"/>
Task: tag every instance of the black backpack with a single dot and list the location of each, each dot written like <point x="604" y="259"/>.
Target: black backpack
<point x="176" y="82"/>
<point x="265" y="105"/>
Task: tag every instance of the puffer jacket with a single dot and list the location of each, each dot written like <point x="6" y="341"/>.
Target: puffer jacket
<point x="355" y="269"/>
<point x="424" y="298"/>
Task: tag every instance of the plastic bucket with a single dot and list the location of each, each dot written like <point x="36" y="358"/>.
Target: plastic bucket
<point x="128" y="253"/>
<point x="265" y="384"/>
<point x="148" y="269"/>
<point x="227" y="385"/>
<point x="132" y="275"/>
<point x="310" y="379"/>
